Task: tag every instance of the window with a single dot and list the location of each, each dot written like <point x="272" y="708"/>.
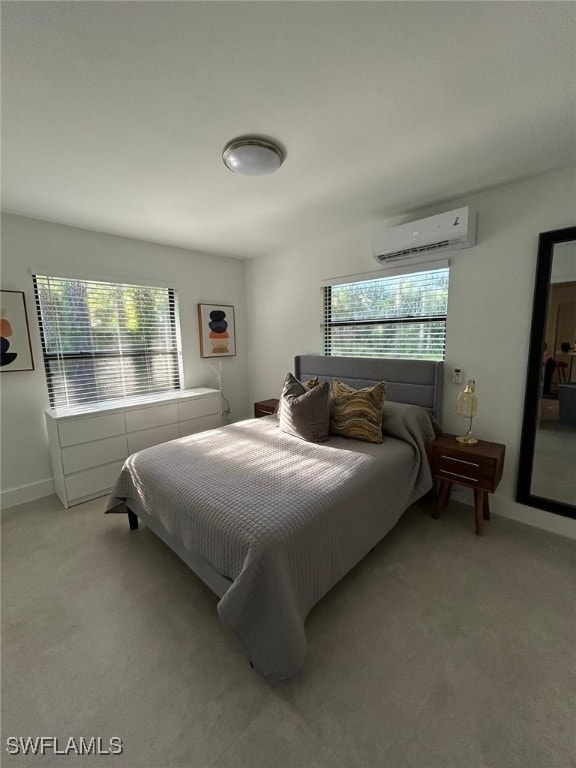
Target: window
<point x="402" y="316"/>
<point x="104" y="341"/>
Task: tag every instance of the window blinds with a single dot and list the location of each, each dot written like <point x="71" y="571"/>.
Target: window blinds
<point x="105" y="341"/>
<point x="401" y="316"/>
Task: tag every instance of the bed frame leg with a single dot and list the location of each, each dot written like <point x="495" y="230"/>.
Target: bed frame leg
<point x="132" y="520"/>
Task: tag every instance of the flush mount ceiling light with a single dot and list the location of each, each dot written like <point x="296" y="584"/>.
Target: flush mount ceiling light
<point x="253" y="156"/>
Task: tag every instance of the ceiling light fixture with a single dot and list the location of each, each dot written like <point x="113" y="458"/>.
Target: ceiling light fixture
<point x="253" y="156"/>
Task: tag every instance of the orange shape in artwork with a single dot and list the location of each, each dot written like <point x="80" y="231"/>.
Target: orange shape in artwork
<point x="5" y="328"/>
<point x="214" y="335"/>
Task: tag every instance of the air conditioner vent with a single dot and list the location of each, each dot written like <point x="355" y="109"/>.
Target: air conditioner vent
<point x="448" y="231"/>
<point x="412" y="251"/>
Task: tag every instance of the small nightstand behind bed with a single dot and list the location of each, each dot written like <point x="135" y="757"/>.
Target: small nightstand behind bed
<point x="265" y="407"/>
<point x="477" y="466"/>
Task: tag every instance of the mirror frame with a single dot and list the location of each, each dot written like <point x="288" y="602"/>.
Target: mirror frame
<point x="546" y="243"/>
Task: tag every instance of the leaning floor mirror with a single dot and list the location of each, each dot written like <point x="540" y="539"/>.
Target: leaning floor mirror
<point x="547" y="470"/>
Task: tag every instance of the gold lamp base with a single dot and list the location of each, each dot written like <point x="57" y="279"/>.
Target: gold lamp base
<point x="467" y="440"/>
<point x="467" y="405"/>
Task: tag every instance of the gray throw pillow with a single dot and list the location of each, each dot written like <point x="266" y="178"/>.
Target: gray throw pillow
<point x="305" y="413"/>
<point x="308" y="384"/>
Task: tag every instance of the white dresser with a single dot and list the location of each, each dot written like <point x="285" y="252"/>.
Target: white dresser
<point x="88" y="447"/>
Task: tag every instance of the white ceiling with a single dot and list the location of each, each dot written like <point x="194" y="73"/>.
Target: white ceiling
<point x="115" y="113"/>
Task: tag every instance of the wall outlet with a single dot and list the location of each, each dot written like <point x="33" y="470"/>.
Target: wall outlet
<point x="457" y="376"/>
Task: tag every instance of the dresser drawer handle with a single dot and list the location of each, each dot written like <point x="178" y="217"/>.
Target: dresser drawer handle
<point x="455" y="474"/>
<point x="461" y="461"/>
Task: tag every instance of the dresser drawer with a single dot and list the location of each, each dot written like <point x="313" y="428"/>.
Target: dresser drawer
<point x="83" y="430"/>
<point x="203" y="406"/>
<point x="200" y="425"/>
<point x="137" y="441"/>
<point x="79" y="457"/>
<point x="99" y="480"/>
<point x="474" y="471"/>
<point x="156" y="416"/>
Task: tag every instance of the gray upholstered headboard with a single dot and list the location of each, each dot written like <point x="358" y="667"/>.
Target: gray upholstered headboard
<point x="418" y="382"/>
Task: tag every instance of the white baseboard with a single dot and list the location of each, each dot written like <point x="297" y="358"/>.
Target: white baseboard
<point x="548" y="521"/>
<point x="31" y="492"/>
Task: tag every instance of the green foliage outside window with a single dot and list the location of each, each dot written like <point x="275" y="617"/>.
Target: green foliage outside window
<point x="397" y="317"/>
<point x="105" y="341"/>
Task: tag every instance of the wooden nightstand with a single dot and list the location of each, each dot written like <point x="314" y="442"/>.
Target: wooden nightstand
<point x="477" y="466"/>
<point x="265" y="407"/>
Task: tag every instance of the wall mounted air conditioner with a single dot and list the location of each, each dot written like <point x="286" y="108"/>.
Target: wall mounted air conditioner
<point x="448" y="231"/>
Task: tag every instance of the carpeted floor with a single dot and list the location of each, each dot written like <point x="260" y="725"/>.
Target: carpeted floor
<point x="440" y="650"/>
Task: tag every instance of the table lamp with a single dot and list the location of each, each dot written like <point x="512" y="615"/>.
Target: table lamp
<point x="467" y="406"/>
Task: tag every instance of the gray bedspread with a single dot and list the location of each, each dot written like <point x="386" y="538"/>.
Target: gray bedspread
<point x="281" y="518"/>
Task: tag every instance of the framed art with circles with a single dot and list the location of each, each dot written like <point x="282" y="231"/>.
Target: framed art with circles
<point x="217" y="330"/>
<point x="16" y="351"/>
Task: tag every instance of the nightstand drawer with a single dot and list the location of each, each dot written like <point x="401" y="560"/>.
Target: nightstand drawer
<point x="475" y="471"/>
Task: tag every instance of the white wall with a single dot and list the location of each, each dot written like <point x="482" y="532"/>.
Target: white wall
<point x="490" y="307"/>
<point x="29" y="244"/>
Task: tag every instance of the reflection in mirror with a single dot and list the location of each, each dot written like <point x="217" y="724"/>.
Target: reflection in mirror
<point x="554" y="470"/>
<point x="547" y="473"/>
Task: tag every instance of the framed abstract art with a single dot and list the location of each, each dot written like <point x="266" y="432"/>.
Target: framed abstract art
<point x="217" y="330"/>
<point x="15" y="347"/>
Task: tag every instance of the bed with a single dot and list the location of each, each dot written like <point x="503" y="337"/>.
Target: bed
<point x="271" y="522"/>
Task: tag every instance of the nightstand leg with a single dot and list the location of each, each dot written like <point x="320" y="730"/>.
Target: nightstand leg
<point x="486" y="508"/>
<point x="479" y="502"/>
<point x="443" y="496"/>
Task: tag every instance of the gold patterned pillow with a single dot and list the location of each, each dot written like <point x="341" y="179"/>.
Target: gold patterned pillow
<point x="357" y="413"/>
